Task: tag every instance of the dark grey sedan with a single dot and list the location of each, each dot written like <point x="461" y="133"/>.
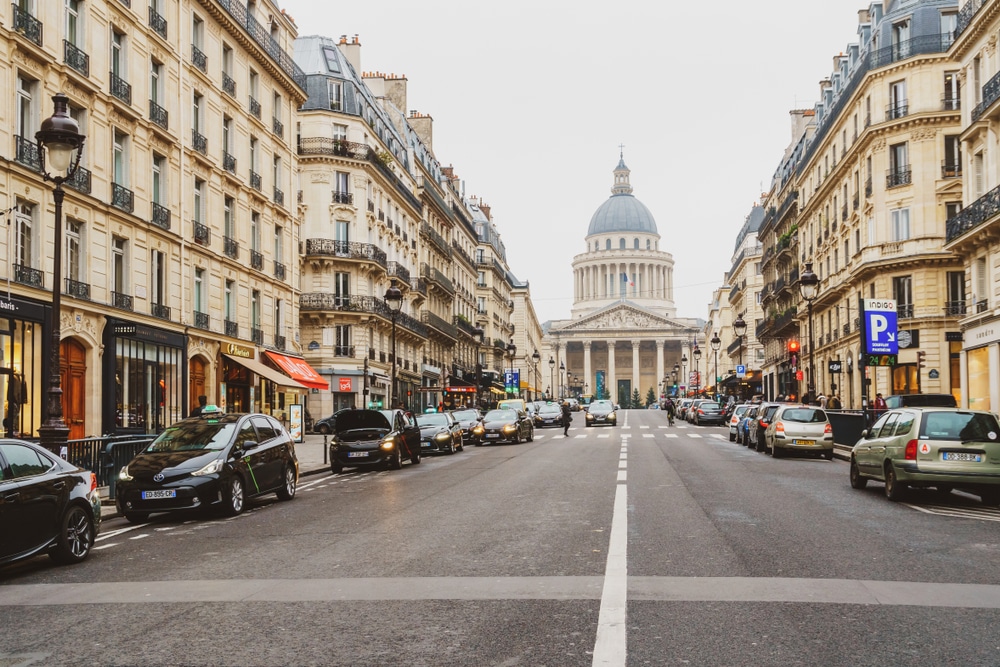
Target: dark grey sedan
<point x="708" y="412"/>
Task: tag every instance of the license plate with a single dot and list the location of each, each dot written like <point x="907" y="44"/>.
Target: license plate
<point x="163" y="493"/>
<point x="962" y="456"/>
<point x="492" y="435"/>
<point x="425" y="443"/>
<point x="356" y="455"/>
<point x="804" y="442"/>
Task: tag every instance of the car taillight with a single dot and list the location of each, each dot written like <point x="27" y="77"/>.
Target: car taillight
<point x="911" y="450"/>
<point x="827" y="429"/>
<point x="93" y="481"/>
<point x="779" y="426"/>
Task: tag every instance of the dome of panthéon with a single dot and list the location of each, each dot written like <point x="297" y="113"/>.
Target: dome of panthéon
<point x="622" y="212"/>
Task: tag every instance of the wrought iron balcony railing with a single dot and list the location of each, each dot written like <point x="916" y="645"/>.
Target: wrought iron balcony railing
<point x="397" y="270"/>
<point x="256" y="182"/>
<point x="975" y="214"/>
<point x="279" y="342"/>
<point x="122" y="198"/>
<point x="262" y="35"/>
<point x="343" y="351"/>
<point x="228" y="85"/>
<point x="158" y="114"/>
<point x="279" y="270"/>
<point x="202" y="320"/>
<point x="951" y="170"/>
<point x="199" y="59"/>
<point x="955" y="307"/>
<point x="202" y="233"/>
<point x="229" y="162"/>
<point x="278" y="127"/>
<point x="78" y="289"/>
<point x="121" y="88"/>
<point x="897" y="177"/>
<point x="256" y="260"/>
<point x="904" y="310"/>
<point x="257" y="335"/>
<point x="232" y="328"/>
<point x="76" y="58"/>
<point x="343" y="197"/>
<point x="950" y="103"/>
<point x="255" y="108"/>
<point x="122" y="301"/>
<point x="157" y="23"/>
<point x="897" y="110"/>
<point x="279" y="197"/>
<point x="199" y="142"/>
<point x="26" y="275"/>
<point x="230" y="247"/>
<point x="27" y="25"/>
<point x="80" y="180"/>
<point x="160" y="216"/>
<point x="159" y="310"/>
<point x="347" y="250"/>
<point x="26" y="152"/>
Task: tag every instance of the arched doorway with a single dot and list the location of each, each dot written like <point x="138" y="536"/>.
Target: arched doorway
<point x="197" y="382"/>
<point x="73" y="378"/>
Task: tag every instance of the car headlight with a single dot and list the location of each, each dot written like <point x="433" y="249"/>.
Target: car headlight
<point x="210" y="469"/>
<point x="388" y="444"/>
<point x="442" y="436"/>
<point x="123" y="475"/>
<point x="509" y="428"/>
<point x="611" y="415"/>
<point x="590" y="416"/>
<point x="478" y="429"/>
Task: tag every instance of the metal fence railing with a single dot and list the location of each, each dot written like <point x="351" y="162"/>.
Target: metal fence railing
<point x="106" y="455"/>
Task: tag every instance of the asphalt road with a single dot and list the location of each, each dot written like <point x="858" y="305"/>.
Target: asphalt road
<point x="637" y="545"/>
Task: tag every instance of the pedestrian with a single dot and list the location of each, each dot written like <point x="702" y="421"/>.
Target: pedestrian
<point x="567" y="418"/>
<point x="880" y="405"/>
<point x="821" y="400"/>
<point x="834" y="402"/>
<point x="202" y="402"/>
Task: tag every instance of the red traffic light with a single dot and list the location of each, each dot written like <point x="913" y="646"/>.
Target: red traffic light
<point x="793" y="346"/>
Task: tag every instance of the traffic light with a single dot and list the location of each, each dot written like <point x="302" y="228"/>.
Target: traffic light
<point x="920" y="359"/>
<point x="793" y="347"/>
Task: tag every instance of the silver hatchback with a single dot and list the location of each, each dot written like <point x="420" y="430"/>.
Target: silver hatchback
<point x="799" y="428"/>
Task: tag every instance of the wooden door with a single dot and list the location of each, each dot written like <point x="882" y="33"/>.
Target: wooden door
<point x="73" y="374"/>
<point x="196" y="384"/>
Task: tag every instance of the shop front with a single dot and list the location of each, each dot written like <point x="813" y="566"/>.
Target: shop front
<point x="143" y="376"/>
<point x="24" y="368"/>
<point x="250" y="385"/>
<point x="982" y="361"/>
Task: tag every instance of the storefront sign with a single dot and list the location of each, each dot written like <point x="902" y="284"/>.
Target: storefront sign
<point x="982" y="335"/>
<point x="295" y="422"/>
<point x="953" y="336"/>
<point x="239" y="351"/>
<point x="124" y="329"/>
<point x="345" y="385"/>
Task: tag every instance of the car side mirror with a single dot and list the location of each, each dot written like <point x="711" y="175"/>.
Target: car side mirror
<point x="864" y="433"/>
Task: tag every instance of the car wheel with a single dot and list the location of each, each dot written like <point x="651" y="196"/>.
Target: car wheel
<point x="732" y="437"/>
<point x="396" y="460"/>
<point x="857" y="481"/>
<point x="287" y="490"/>
<point x="828" y="455"/>
<point x="461" y="445"/>
<point x="136" y="517"/>
<point x="451" y="447"/>
<point x="76" y="536"/>
<point x="894" y="490"/>
<point x="776" y="452"/>
<point x="235" y="498"/>
<point x="336" y="468"/>
<point x="991" y="497"/>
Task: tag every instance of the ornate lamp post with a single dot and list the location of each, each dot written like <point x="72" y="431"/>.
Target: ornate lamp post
<point x="809" y="288"/>
<point x="394" y="299"/>
<point x="552" y="381"/>
<point x="697" y="358"/>
<point x="60" y="144"/>
<point x="673" y="375"/>
<point x="511" y="353"/>
<point x="740" y="329"/>
<point x="536" y="359"/>
<point x="716" y="343"/>
<point x="562" y="379"/>
<point x="684" y="375"/>
<point x="478" y="335"/>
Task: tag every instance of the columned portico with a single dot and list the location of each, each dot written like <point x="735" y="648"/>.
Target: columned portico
<point x="612" y="378"/>
<point x="635" y="366"/>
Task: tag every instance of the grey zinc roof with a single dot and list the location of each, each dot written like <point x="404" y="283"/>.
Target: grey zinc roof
<point x="622" y="213"/>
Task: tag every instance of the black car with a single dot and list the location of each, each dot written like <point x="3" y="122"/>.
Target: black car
<point x="439" y="432"/>
<point x="46" y="505"/>
<point x="212" y="460"/>
<point x="325" y="425"/>
<point x="367" y="438"/>
<point x="505" y="426"/>
<point x="549" y="414"/>
<point x="468" y="420"/>
<point x="601" y="412"/>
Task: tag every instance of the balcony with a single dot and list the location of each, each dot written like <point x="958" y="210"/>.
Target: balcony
<point x="262" y="35"/>
<point x="256" y="182"/>
<point x="898" y="110"/>
<point x="26" y="153"/>
<point x="256" y="260"/>
<point x="949" y="103"/>
<point x="464" y="325"/>
<point x="230" y="247"/>
<point x="974" y="215"/>
<point x="981" y="306"/>
<point x="347" y="250"/>
<point x="279" y="342"/>
<point x="228" y="85"/>
<point x="278" y="127"/>
<point x="257" y="336"/>
<point x="122" y="198"/>
<point x="199" y="59"/>
<point x="904" y="311"/>
<point x="27" y="25"/>
<point x="990" y="94"/>
<point x="80" y="181"/>
<point x="897" y="177"/>
<point x="279" y="197"/>
<point x="343" y="197"/>
<point x="951" y="170"/>
<point x="397" y="270"/>
<point x="442" y="325"/>
<point x="435" y="238"/>
<point x="25" y="275"/>
<point x="324" y="301"/>
<point x="202" y="234"/>
<point x="229" y="162"/>
<point x="955" y="307"/>
<point x="76" y="58"/>
<point x="346" y="351"/>
<point x="418" y="286"/>
<point x="255" y="108"/>
<point x="122" y="301"/>
<point x="77" y="289"/>
<point x="157" y="23"/>
<point x="160" y="311"/>
<point x="160" y="216"/>
<point x="436" y="277"/>
<point x="158" y="114"/>
<point x="120" y="88"/>
<point x="279" y="270"/>
<point x="232" y="328"/>
<point x="202" y="320"/>
<point x="199" y="142"/>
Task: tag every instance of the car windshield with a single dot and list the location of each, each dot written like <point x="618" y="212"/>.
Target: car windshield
<point x="501" y="415"/>
<point x="349" y="420"/>
<point x="464" y="414"/>
<point x="741" y="410"/>
<point x="601" y="405"/>
<point x="432" y="419"/>
<point x="549" y="409"/>
<point x="194" y="435"/>
<point x="963" y="426"/>
<point x="804" y="415"/>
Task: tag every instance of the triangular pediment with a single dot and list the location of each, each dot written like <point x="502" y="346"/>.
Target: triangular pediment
<point x="622" y="315"/>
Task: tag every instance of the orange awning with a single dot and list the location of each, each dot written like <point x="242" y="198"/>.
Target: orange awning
<point x="298" y="370"/>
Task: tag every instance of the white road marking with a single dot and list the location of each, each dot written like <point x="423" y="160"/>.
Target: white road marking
<point x="610" y="645"/>
<point x="139" y="537"/>
<point x="672" y="435"/>
<point x="694" y="435"/>
<point x="648" y="435"/>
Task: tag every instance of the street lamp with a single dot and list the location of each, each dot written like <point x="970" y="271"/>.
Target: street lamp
<point x="59" y="140"/>
<point x="394" y="299"/>
<point x="536" y="358"/>
<point x="562" y="375"/>
<point x="478" y="335"/>
<point x="552" y="383"/>
<point x="684" y="375"/>
<point x="716" y="344"/>
<point x="740" y="329"/>
<point x="697" y="358"/>
<point x="512" y="352"/>
<point x="809" y="288"/>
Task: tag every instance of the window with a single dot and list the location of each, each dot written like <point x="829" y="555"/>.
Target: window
<point x="977" y="74"/>
<point x="158" y="276"/>
<point x="949" y="22"/>
<point x="977" y="175"/>
<point x="342" y="288"/>
<point x="952" y="167"/>
<point x="341" y="182"/>
<point x="956" y="293"/>
<point x="334" y="90"/>
<point x="980" y="279"/>
<point x="648" y="244"/>
<point x="276" y="107"/>
<point x="342" y="231"/>
<point x="332" y="63"/>
<point x="339" y="132"/>
<point x="254" y="85"/>
<point x="119" y="261"/>
<point x="118" y="59"/>
<point x="199" y="195"/>
<point x="871" y="231"/>
<point x="278" y="244"/>
<point x="24" y="461"/>
<point x="74" y="250"/>
<point x="255" y="309"/>
<point x="120" y="159"/>
<point x="901" y="40"/>
<point x="897" y="100"/>
<point x="227" y="129"/>
<point x="199" y="291"/>
<point x="342" y="335"/>
<point x="279" y="315"/>
<point x="26" y="93"/>
<point x="621" y="244"/>
<point x="635" y="244"/>
<point x="74" y="32"/>
<point x="159" y="173"/>
<point x="899" y="224"/>
<point x="155" y="82"/>
<point x="197" y="32"/>
<point x="481" y="279"/>
<point x="255" y="231"/>
<point x="607" y="244"/>
<point x="902" y="291"/>
<point x="229" y="301"/>
<point x="196" y="115"/>
<point x="229" y="222"/>
<point x="481" y="304"/>
<point x="899" y="165"/>
<point x="24" y="221"/>
<point x="952" y="91"/>
<point x="276" y="172"/>
<point x="227" y="61"/>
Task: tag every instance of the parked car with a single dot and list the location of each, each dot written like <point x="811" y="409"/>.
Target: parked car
<point x="374" y="438"/>
<point x="944" y="448"/>
<point x="468" y="419"/>
<point x="920" y="401"/>
<point x="743" y="428"/>
<point x="549" y="414"/>
<point x="47" y="506"/>
<point x="212" y="460"/>
<point x="765" y="414"/>
<point x="574" y="405"/>
<point x="708" y="412"/>
<point x="601" y="412"/>
<point x="682" y="407"/>
<point x="505" y="426"/>
<point x="325" y="425"/>
<point x="692" y="409"/>
<point x="439" y="432"/>
<point x="799" y="428"/>
<point x="734" y="420"/>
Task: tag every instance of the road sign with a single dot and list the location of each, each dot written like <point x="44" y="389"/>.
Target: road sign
<point x="835" y="366"/>
<point x="741" y="371"/>
<point x="880" y="327"/>
<point x="511" y="381"/>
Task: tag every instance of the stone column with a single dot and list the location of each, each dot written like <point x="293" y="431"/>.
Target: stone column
<point x="659" y="361"/>
<point x="612" y="384"/>
<point x="635" y="367"/>
<point x="588" y="376"/>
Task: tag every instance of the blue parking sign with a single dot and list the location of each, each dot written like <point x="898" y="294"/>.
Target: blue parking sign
<point x="880" y="326"/>
<point x="741" y="370"/>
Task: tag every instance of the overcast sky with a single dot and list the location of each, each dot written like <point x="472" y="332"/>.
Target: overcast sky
<point x="531" y="100"/>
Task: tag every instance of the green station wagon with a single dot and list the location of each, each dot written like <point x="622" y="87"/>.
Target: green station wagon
<point x="943" y="448"/>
